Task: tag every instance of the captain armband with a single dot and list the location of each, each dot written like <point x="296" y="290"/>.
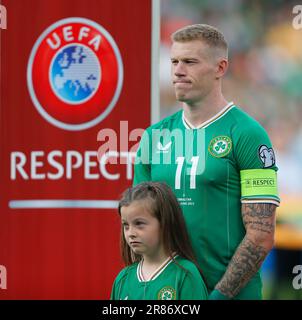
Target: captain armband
<point x="259" y="185"/>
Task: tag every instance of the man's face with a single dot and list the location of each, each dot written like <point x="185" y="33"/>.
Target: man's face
<point x="193" y="70"/>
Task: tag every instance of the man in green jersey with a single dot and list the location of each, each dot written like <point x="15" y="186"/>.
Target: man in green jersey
<point x="219" y="162"/>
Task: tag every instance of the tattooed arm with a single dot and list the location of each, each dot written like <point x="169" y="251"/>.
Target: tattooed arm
<point x="259" y="221"/>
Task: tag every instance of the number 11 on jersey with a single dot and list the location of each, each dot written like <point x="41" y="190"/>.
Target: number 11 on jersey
<point x="180" y="161"/>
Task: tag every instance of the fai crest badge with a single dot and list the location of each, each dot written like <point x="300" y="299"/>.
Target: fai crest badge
<point x="167" y="293"/>
<point x="220" y="146"/>
<point x="75" y="74"/>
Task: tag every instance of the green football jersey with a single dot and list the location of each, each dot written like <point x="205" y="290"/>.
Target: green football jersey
<point x="176" y="279"/>
<point x="212" y="169"/>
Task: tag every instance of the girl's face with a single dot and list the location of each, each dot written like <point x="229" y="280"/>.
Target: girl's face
<point x="142" y="230"/>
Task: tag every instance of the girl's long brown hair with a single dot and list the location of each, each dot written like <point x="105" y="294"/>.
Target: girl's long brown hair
<point x="161" y="202"/>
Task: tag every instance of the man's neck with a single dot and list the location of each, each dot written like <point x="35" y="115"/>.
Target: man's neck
<point x="199" y="113"/>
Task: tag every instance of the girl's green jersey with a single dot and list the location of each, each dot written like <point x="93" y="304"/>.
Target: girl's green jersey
<point x="176" y="279"/>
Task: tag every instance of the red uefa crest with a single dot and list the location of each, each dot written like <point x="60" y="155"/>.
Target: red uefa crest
<point x="75" y="74"/>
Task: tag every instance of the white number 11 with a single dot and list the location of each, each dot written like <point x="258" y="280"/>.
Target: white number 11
<point x="180" y="161"/>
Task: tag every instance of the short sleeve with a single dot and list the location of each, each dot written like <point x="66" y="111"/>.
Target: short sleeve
<point x="255" y="158"/>
<point x="253" y="148"/>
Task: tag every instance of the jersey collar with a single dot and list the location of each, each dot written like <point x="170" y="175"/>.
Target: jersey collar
<point x="220" y="114"/>
<point x="156" y="273"/>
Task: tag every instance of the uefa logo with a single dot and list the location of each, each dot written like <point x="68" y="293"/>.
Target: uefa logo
<point x="75" y="74"/>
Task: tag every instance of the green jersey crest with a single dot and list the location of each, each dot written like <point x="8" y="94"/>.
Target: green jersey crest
<point x="220" y="146"/>
<point x="167" y="293"/>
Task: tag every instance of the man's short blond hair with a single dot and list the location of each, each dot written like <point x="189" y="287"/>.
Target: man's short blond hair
<point x="206" y="33"/>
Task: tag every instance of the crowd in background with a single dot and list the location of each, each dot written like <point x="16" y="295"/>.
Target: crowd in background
<point x="264" y="76"/>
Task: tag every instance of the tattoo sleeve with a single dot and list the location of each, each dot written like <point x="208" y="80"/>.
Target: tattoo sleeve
<point x="259" y="221"/>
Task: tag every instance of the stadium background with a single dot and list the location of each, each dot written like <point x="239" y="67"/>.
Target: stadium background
<point x="265" y="79"/>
